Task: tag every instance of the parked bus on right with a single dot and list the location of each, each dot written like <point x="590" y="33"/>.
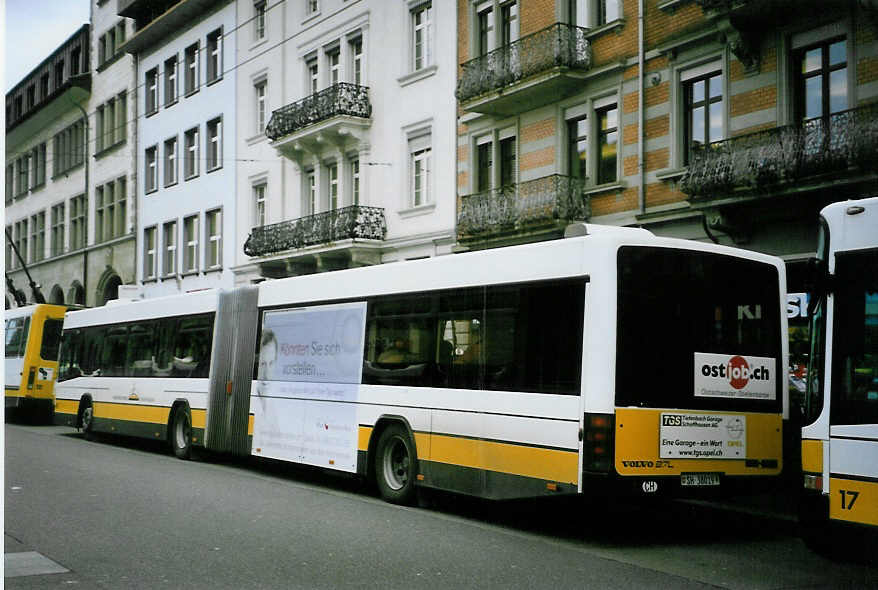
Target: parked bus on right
<point x="840" y="439"/>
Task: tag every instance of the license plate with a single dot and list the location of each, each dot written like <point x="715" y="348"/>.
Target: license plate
<point x="699" y="479"/>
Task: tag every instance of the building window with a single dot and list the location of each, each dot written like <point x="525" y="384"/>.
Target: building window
<point x="23" y="165"/>
<point x="78" y="216"/>
<point x="311" y="192"/>
<point x="170" y="81"/>
<point x="169" y="247"/>
<point x="420" y="156"/>
<point x="259" y="20"/>
<point x="59" y="74"/>
<point x="214" y="56"/>
<point x="259" y="214"/>
<point x="311" y="7"/>
<point x="484" y="165"/>
<point x="191" y="65"/>
<point x="577" y="148"/>
<point x="100" y="213"/>
<point x="332" y="173"/>
<point x="152" y="91"/>
<point x="149" y="251"/>
<point x="121" y="213"/>
<point x="508" y="22"/>
<point x="260" y="90"/>
<point x="213" y="221"/>
<point x="821" y="79"/>
<point x="31" y="97"/>
<point x="355" y="181"/>
<point x="110" y="210"/>
<point x="608" y="135"/>
<point x="703" y="104"/>
<point x="10" y="255"/>
<point x="111" y="123"/>
<point x="68" y="148"/>
<point x="190" y="241"/>
<point x="214" y="144"/>
<point x="38" y="156"/>
<point x="10" y="181"/>
<point x="607" y="11"/>
<point x="191" y="163"/>
<point x="507" y="161"/>
<point x="38" y="236"/>
<point x="485" y="19"/>
<point x="44" y="86"/>
<point x="121" y="133"/>
<point x="357" y="60"/>
<point x="313" y="75"/>
<point x="333" y="60"/>
<point x="20" y="240"/>
<point x="150" y="171"/>
<point x="422" y="40"/>
<point x="58" y="224"/>
<point x="170" y="163"/>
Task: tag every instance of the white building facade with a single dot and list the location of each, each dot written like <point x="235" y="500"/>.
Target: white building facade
<point x="186" y="114"/>
<point x="347" y="134"/>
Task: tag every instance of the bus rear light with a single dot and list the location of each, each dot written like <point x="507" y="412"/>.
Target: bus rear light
<point x="814" y="482"/>
<point x="597" y="445"/>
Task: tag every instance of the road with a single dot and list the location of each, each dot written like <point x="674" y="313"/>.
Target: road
<point x="125" y="514"/>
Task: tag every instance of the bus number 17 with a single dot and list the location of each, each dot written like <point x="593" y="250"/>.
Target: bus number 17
<point x="848" y="497"/>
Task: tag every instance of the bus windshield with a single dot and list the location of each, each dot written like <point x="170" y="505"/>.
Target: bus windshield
<point x="855" y="343"/>
<point x="681" y="311"/>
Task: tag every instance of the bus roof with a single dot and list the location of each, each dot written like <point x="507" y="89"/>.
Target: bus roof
<point x="139" y="309"/>
<point x="853" y="224"/>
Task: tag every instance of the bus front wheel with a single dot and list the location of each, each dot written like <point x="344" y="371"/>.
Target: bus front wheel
<point x="181" y="434"/>
<point x="396" y="465"/>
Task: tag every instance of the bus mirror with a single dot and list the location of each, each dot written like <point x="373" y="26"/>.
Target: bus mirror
<point x="816" y="283"/>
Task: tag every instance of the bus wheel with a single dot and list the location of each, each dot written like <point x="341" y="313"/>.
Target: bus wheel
<point x="181" y="434"/>
<point x="395" y="465"/>
<point x="87" y="419"/>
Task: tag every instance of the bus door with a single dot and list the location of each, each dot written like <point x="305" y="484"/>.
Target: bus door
<point x="853" y="403"/>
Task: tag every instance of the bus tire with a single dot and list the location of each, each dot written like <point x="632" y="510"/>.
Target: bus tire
<point x="86" y="419"/>
<point x="180" y="435"/>
<point x="396" y="465"/>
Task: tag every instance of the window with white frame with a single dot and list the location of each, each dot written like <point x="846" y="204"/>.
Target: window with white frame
<point x="313" y="75"/>
<point x="355" y="180"/>
<point x="170" y="161"/>
<point x="191" y="157"/>
<point x="214" y="144"/>
<point x="190" y="244"/>
<point x="10" y="181"/>
<point x="497" y="147"/>
<point x="333" y="61"/>
<point x="422" y="36"/>
<point x="169" y="248"/>
<point x="260" y="89"/>
<point x="509" y="22"/>
<point x="149" y="253"/>
<point x="38" y="236"/>
<point x="311" y="7"/>
<point x="607" y="117"/>
<point x="214" y="55"/>
<point x="310" y="192"/>
<point x="150" y="171"/>
<point x="259" y="20"/>
<point x="259" y="210"/>
<point x="485" y="27"/>
<point x="23" y="164"/>
<point x="332" y="174"/>
<point x="10" y="254"/>
<point x="152" y="91"/>
<point x="171" y="81"/>
<point x="78" y="217"/>
<point x="58" y="226"/>
<point x="100" y="213"/>
<point x="213" y="221"/>
<point x="356" y="46"/>
<point x="420" y="156"/>
<point x="38" y="156"/>
<point x="19" y="237"/>
<point x="577" y="147"/>
<point x="703" y="111"/>
<point x="190" y="62"/>
<point x="593" y="13"/>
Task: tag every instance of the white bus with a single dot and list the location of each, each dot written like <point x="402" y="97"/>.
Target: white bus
<point x="614" y="361"/>
<point x="840" y="439"/>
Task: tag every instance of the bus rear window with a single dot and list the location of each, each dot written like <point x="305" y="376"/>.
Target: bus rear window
<point x="679" y="308"/>
<point x="51" y="339"/>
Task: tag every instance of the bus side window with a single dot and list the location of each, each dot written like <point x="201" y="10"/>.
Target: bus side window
<point x="71" y="354"/>
<point x="16" y="337"/>
<point x="140" y="352"/>
<point x="165" y="332"/>
<point x="114" y="352"/>
<point x="192" y="347"/>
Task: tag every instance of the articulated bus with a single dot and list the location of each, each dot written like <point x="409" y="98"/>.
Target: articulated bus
<point x="614" y="361"/>
<point x="840" y="439"/>
<point x="33" y="335"/>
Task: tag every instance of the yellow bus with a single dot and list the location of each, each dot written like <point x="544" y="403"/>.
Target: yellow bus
<point x="615" y="361"/>
<point x="840" y="436"/>
<point x="33" y="335"/>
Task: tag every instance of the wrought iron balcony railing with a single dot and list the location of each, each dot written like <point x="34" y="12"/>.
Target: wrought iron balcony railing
<point x="347" y="223"/>
<point x="762" y="160"/>
<point x="339" y="99"/>
<point x="559" y="45"/>
<point x="523" y="206"/>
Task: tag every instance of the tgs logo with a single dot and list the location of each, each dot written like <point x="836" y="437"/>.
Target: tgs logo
<point x="737" y="371"/>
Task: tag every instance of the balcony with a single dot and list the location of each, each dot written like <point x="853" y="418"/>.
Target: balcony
<point x="531" y="207"/>
<point x="355" y="222"/>
<point x="794" y="158"/>
<point x="533" y="71"/>
<point x="340" y="111"/>
<point x="157" y="20"/>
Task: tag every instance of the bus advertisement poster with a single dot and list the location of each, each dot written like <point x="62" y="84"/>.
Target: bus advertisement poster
<point x="702" y="436"/>
<point x="735" y="376"/>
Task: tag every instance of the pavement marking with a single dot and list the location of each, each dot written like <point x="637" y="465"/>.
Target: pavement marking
<point x="29" y="563"/>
